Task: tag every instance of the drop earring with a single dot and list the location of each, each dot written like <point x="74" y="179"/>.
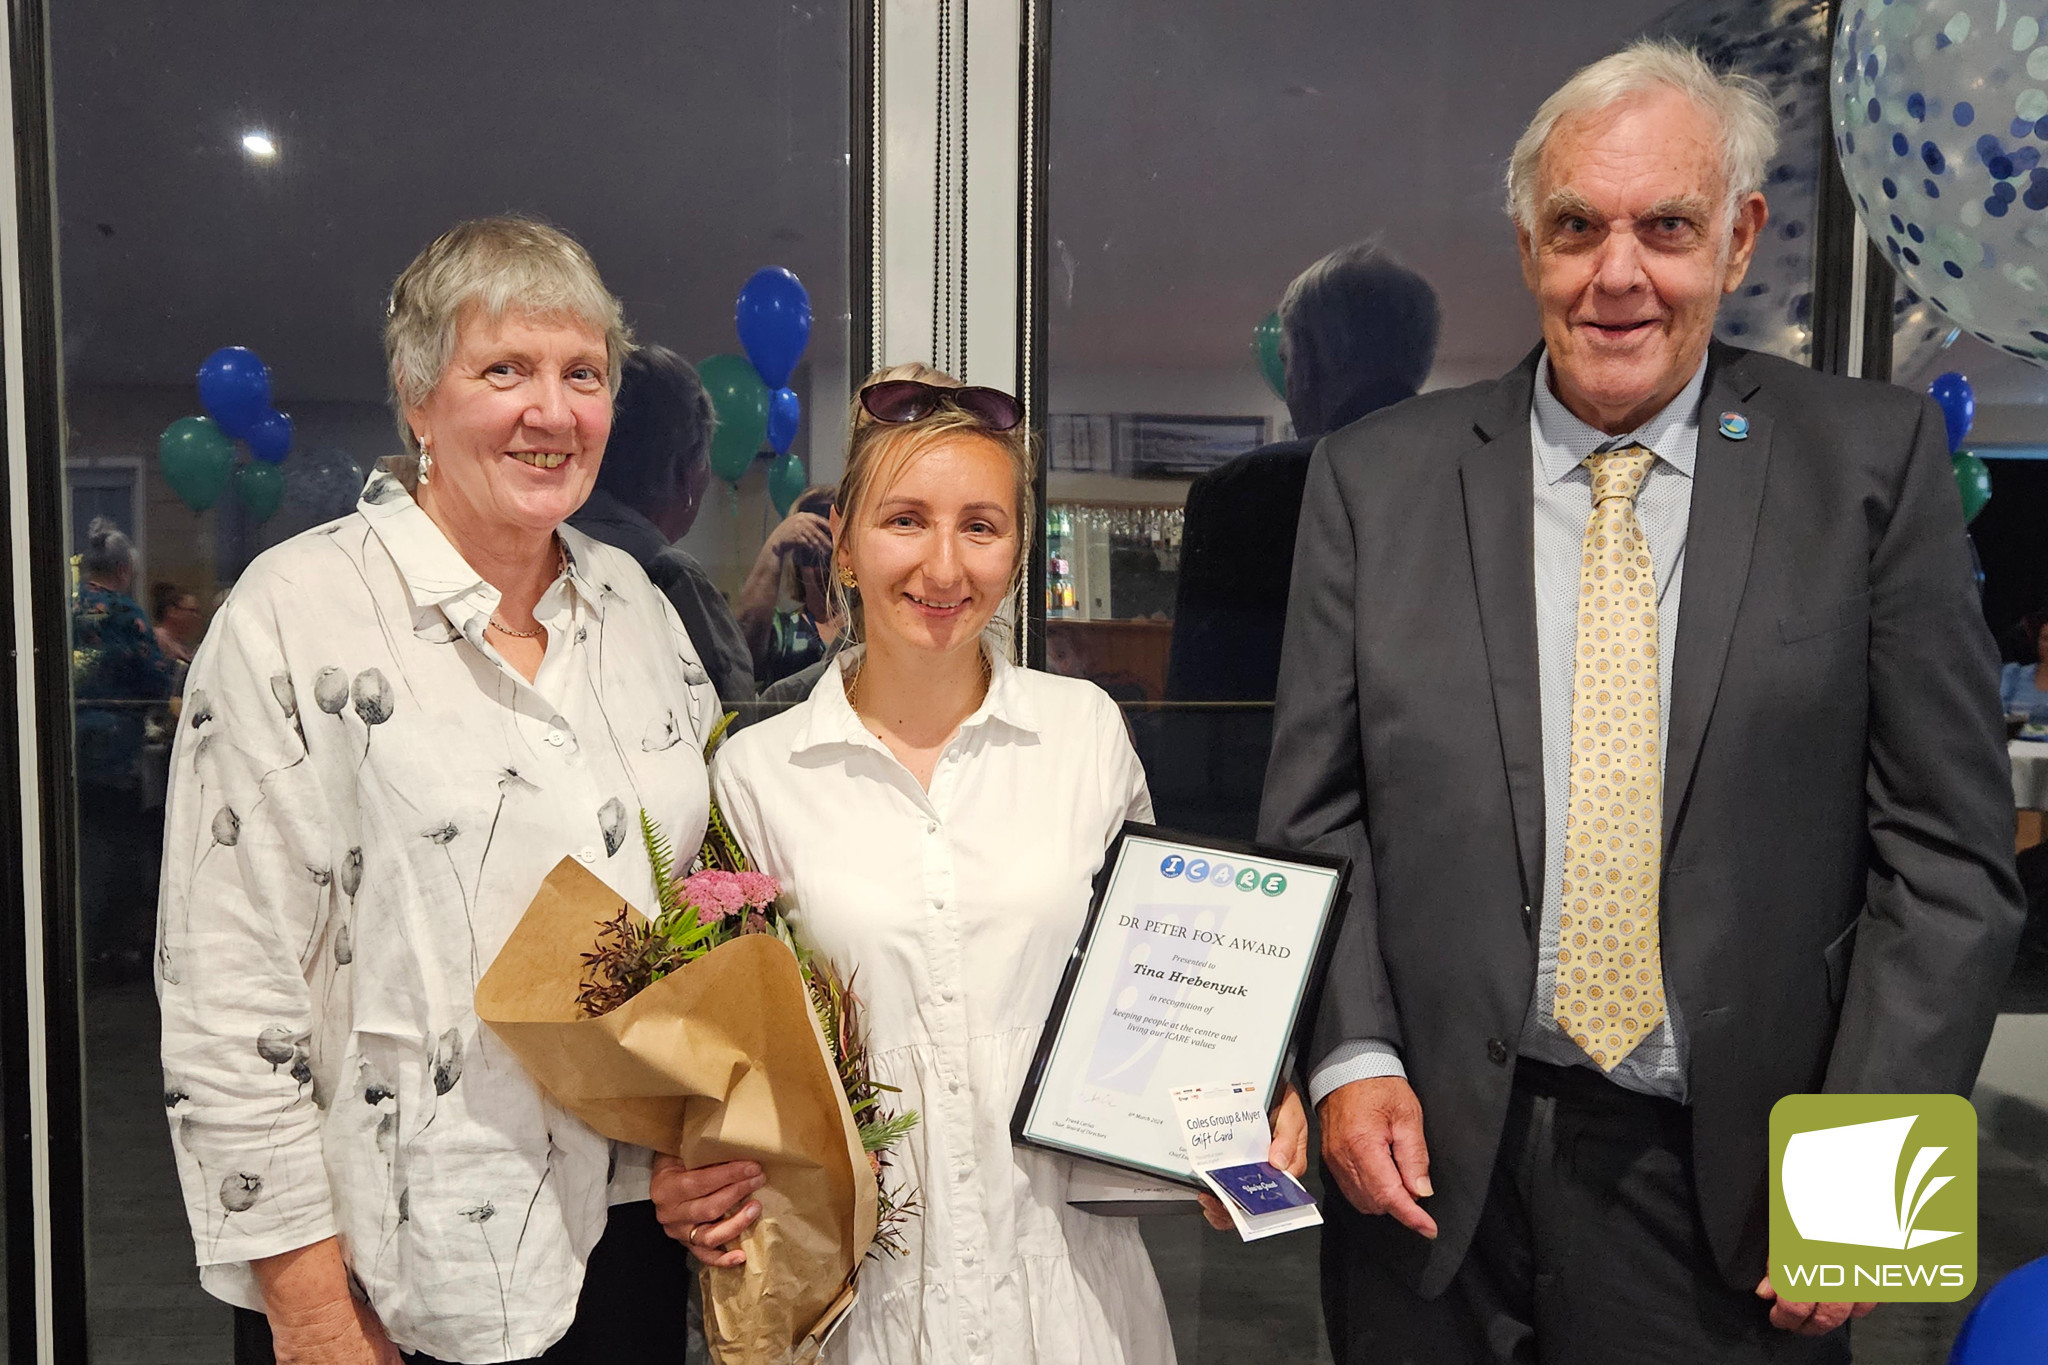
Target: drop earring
<point x="426" y="459"/>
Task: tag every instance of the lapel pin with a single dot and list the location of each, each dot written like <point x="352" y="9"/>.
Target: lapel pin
<point x="1734" y="426"/>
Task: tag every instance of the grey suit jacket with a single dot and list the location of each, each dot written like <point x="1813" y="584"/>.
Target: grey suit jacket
<point x="1839" y="906"/>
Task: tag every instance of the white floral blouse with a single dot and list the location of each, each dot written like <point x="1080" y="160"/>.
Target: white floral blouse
<point x="364" y="797"/>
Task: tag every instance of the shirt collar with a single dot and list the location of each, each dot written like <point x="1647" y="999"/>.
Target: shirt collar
<point x="433" y="569"/>
<point x="832" y="719"/>
<point x="1563" y="441"/>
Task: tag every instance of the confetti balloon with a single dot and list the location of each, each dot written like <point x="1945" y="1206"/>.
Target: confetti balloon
<point x="1784" y="45"/>
<point x="1941" y="118"/>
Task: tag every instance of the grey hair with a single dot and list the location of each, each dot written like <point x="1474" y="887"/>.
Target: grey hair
<point x="1742" y="106"/>
<point x="108" y="550"/>
<point x="496" y="266"/>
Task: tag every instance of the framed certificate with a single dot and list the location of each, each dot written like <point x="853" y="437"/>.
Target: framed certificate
<point x="1198" y="962"/>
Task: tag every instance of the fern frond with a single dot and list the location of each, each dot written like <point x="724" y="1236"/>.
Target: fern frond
<point x="883" y="1133"/>
<point x="717" y="736"/>
<point x="661" y="857"/>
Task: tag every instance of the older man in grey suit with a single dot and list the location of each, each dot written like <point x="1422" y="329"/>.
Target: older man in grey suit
<point x="1647" y="689"/>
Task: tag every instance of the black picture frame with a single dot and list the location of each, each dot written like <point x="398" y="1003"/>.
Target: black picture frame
<point x="1307" y="997"/>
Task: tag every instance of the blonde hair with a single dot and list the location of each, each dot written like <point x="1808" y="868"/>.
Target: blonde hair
<point x="1740" y="105"/>
<point x="496" y="266"/>
<point x="875" y="449"/>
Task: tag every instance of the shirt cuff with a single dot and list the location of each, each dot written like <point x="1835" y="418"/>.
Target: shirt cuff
<point x="1361" y="1059"/>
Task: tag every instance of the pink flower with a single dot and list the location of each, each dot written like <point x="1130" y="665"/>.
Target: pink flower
<point x="714" y="891"/>
<point x="709" y="915"/>
<point x="758" y="889"/>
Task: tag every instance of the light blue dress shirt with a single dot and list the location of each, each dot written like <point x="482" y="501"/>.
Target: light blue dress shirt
<point x="1560" y="443"/>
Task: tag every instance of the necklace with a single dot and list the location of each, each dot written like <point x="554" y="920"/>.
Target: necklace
<point x="561" y="567"/>
<point x="853" y="683"/>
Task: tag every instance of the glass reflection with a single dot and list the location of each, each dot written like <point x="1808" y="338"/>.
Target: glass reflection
<point x="229" y="177"/>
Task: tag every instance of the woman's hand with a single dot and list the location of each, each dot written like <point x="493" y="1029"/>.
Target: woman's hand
<point x="706" y="1207"/>
<point x="1289" y="1151"/>
<point x="336" y="1337"/>
<point x="314" y="1320"/>
<point x="799" y="530"/>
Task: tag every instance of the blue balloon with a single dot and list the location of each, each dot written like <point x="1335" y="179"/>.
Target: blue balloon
<point x="271" y="439"/>
<point x="2010" y="1326"/>
<point x="773" y="318"/>
<point x="785" y="410"/>
<point x="234" y="387"/>
<point x="1958" y="406"/>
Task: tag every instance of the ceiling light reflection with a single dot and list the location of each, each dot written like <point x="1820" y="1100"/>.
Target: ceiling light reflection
<point x="259" y="145"/>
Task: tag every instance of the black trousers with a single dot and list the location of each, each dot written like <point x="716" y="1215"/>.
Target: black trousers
<point x="631" y="1311"/>
<point x="1589" y="1252"/>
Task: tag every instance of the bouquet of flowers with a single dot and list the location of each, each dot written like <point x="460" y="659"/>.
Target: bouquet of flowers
<point x="710" y="1033"/>
<point x="724" y="900"/>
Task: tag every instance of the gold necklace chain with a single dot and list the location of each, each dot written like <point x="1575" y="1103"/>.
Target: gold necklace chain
<point x="497" y="622"/>
<point x="988" y="675"/>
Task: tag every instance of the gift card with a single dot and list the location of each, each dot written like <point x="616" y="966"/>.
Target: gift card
<point x="1261" y="1188"/>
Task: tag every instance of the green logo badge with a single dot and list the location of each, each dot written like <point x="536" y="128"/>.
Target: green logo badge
<point x="1274" y="884"/>
<point x="1873" y="1198"/>
<point x="1248" y="879"/>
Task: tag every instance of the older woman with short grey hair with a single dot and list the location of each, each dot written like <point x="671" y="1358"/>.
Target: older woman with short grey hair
<point x="398" y="724"/>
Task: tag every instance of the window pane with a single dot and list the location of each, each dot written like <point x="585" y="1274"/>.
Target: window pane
<point x="232" y="176"/>
<point x="1203" y="156"/>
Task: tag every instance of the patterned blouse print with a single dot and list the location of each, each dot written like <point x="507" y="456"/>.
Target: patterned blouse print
<point x="364" y="797"/>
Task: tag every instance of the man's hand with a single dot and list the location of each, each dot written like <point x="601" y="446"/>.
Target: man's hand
<point x="1289" y="1151"/>
<point x="1809" y="1319"/>
<point x="1372" y="1143"/>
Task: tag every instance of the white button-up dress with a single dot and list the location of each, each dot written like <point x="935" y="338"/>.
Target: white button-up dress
<point x="954" y="912"/>
<point x="364" y="798"/>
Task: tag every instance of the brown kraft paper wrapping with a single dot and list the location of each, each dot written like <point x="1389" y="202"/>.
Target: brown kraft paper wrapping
<point x="721" y="1061"/>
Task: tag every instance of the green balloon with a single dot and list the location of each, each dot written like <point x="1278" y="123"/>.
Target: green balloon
<point x="196" y="457"/>
<point x="741" y="401"/>
<point x="786" y="482"/>
<point x="260" y="486"/>
<point x="1266" y="350"/>
<point x="1973" y="481"/>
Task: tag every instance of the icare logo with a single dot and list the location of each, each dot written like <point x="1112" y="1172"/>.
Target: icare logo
<point x="1873" y="1198"/>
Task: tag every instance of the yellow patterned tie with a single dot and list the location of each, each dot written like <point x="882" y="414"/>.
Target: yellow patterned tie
<point x="1610" y="974"/>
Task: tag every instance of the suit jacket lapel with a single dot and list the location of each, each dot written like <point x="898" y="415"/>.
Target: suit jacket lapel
<point x="1727" y="495"/>
<point x="1500" y="517"/>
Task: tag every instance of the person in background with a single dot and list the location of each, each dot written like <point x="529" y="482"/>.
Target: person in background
<point x="399" y="723"/>
<point x="937" y="815"/>
<point x="785" y="607"/>
<point x="2023" y="687"/>
<point x="656" y="467"/>
<point x="1358" y="332"/>
<point x="118" y="672"/>
<point x="179" y="622"/>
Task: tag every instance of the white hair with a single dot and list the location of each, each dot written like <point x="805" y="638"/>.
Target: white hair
<point x="497" y="266"/>
<point x="1749" y="125"/>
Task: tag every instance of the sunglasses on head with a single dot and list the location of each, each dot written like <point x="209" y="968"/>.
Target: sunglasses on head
<point x="912" y="400"/>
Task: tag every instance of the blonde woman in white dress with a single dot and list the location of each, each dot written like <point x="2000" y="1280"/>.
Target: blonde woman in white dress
<point x="937" y="815"/>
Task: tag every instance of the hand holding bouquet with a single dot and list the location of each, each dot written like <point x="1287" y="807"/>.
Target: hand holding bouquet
<point x="710" y="1034"/>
